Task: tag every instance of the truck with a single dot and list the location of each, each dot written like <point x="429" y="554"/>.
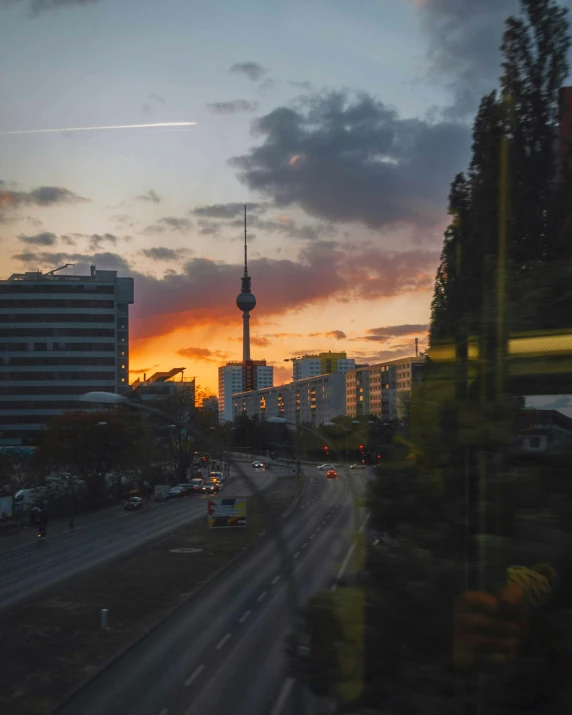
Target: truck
<point x="161" y="492"/>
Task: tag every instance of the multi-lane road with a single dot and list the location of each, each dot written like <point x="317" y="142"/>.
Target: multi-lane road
<point x="222" y="652"/>
<point x="29" y="569"/>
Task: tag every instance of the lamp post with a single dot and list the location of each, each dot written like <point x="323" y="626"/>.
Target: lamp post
<point x="70" y="489"/>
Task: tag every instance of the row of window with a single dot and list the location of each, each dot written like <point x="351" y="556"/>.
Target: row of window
<point x="51" y="390"/>
<point x="59" y="375"/>
<point x="55" y="303"/>
<point x="40" y="361"/>
<point x="40" y="405"/>
<point x="61" y="318"/>
<point x="26" y="287"/>
<point x="67" y="347"/>
<point x="57" y="332"/>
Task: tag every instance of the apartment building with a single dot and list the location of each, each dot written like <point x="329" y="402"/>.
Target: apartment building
<point x="382" y="389"/>
<point x="60" y="336"/>
<point x="321" y="364"/>
<point x="233" y="378"/>
<point x="314" y="400"/>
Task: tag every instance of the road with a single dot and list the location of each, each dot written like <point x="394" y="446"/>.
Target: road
<point x="222" y="651"/>
<point x="27" y="570"/>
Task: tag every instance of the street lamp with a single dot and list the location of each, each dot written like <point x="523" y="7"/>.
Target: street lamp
<point x="70" y="490"/>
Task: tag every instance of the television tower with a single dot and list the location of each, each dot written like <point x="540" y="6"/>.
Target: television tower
<point x="246" y="302"/>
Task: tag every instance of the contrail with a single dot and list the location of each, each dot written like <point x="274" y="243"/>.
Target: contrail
<point x="91" y="129"/>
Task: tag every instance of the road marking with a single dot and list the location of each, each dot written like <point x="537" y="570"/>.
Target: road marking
<point x="283" y="697"/>
<point x="244" y="616"/>
<point x="195" y="675"/>
<point x="312" y="536"/>
<point x="261" y="596"/>
<point x="344" y="565"/>
<point x="304" y="544"/>
<point x="8" y="580"/>
<point x="223" y="641"/>
<point x="296" y="554"/>
<point x="164" y="711"/>
<point x="319" y="529"/>
<point x="275" y="579"/>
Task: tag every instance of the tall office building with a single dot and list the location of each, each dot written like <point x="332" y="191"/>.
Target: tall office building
<point x="249" y="374"/>
<point x="60" y="336"/>
<point x="321" y="364"/>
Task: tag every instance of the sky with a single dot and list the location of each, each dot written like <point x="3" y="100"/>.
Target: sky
<point x="339" y="124"/>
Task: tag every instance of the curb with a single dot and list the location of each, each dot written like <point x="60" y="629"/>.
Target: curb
<point x="114" y="659"/>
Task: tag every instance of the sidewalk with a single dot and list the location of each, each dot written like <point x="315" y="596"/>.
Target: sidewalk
<point x="57" y="526"/>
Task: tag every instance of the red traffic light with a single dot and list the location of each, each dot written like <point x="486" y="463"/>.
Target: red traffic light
<point x="326" y="448"/>
<point x="361" y="446"/>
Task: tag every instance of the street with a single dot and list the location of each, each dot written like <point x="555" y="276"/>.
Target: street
<point x="222" y="651"/>
<point x="29" y="569"/>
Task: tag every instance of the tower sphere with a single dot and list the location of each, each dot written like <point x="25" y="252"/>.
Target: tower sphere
<point x="245" y="301"/>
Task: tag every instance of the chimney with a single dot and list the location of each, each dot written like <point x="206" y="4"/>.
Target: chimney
<point x="92" y="271"/>
<point x="416" y="347"/>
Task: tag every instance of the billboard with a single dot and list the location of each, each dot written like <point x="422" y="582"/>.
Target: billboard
<point x="224" y="513"/>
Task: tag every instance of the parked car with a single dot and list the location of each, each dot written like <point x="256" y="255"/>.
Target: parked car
<point x="176" y="492"/>
<point x="134" y="503"/>
<point x="258" y="465"/>
<point x="358" y="466"/>
<point x="332" y="474"/>
<point x="326" y="467"/>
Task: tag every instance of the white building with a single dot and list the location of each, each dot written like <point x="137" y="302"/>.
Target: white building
<point x="60" y="336"/>
<point x="320" y="364"/>
<point x="314" y="400"/>
<point x="231" y="380"/>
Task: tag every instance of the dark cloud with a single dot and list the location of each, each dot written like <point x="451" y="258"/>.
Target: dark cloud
<point x="285" y="226"/>
<point x="96" y="240"/>
<point x="177" y="224"/>
<point x="208" y="228"/>
<point x="350" y="158"/>
<point x="234" y="106"/>
<point x="81" y="261"/>
<point x="162" y="253"/>
<point x="259" y="342"/>
<point x="395" y="331"/>
<point x="226" y="211"/>
<point x="252" y="70"/>
<point x="39" y="239"/>
<point x="38" y="6"/>
<point x="464" y="38"/>
<point x="337" y="334"/>
<point x="150" y="197"/>
<point x="124" y="220"/>
<point x="203" y="354"/>
<point x="43" y="196"/>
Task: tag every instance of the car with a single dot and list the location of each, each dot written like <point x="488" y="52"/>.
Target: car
<point x="198" y="485"/>
<point x="258" y="465"/>
<point x="215" y="483"/>
<point x="326" y="467"/>
<point x="134" y="503"/>
<point x="358" y="466"/>
<point x="176" y="492"/>
<point x="209" y="488"/>
<point x="219" y="476"/>
<point x="332" y="474"/>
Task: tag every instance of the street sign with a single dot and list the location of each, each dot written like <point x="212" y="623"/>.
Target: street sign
<point x="226" y="513"/>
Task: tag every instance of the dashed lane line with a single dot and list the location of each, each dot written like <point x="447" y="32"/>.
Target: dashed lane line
<point x="244" y="616"/>
<point x="262" y="595"/>
<point x="194" y="675"/>
<point x="275" y="579"/>
<point x="223" y="640"/>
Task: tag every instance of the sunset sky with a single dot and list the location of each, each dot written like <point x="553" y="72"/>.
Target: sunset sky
<point x="340" y="123"/>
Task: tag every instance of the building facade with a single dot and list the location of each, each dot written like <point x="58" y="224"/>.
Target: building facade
<point x="232" y="379"/>
<point x="60" y="336"/>
<point x="320" y="364"/>
<point x="162" y="385"/>
<point x="314" y="400"/>
<point x="382" y="390"/>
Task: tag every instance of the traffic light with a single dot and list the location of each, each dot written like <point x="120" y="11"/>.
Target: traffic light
<point x="361" y="446"/>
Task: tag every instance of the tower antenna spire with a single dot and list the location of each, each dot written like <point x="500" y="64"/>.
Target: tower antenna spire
<point x="245" y="247"/>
